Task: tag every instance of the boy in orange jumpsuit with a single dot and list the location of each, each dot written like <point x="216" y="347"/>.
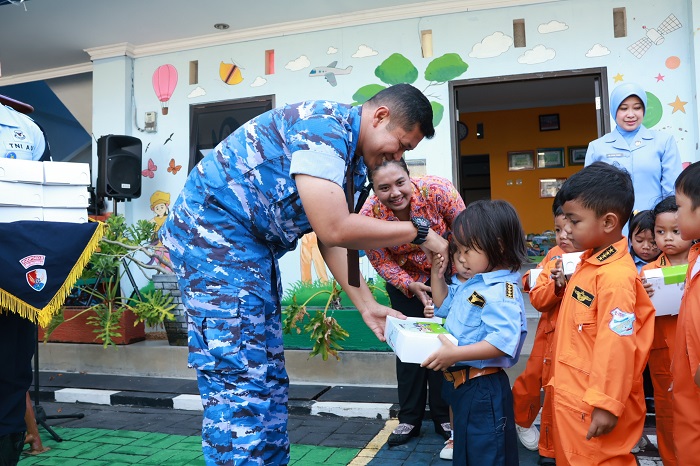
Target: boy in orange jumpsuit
<point x="674" y="252"/>
<point x="528" y="385"/>
<point x="686" y="394"/>
<point x="604" y="330"/>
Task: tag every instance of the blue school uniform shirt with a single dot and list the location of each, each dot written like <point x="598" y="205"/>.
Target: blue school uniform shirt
<point x="651" y="158"/>
<point x="488" y="306"/>
<point x="246" y="183"/>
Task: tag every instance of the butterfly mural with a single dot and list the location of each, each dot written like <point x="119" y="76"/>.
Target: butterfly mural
<point x="172" y="168"/>
<point x="150" y="172"/>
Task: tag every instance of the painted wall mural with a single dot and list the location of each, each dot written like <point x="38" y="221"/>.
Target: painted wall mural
<point x="164" y="82"/>
<point x="654" y="36"/>
<point x="230" y="73"/>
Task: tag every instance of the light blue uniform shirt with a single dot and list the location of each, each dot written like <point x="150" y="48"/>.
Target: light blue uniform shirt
<point x="20" y="137"/>
<point x="651" y="159"/>
<point x="488" y="306"/>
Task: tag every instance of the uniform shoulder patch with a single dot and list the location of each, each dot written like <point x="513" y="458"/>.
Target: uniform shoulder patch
<point x="477" y="300"/>
<point x="510" y="290"/>
<point x="582" y="296"/>
<point x="662" y="262"/>
<point x="622" y="323"/>
<point x="606" y="254"/>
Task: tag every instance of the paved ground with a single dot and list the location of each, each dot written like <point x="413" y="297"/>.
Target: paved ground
<point x="139" y="420"/>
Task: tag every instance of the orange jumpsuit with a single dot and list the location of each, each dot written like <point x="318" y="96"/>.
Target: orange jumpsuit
<point x="686" y="395"/>
<point x="602" y="342"/>
<point x="527" y="387"/>
<point x="660" y="359"/>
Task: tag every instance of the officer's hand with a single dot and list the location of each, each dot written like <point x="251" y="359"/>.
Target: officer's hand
<point x="420" y="290"/>
<point x="602" y="422"/>
<point x="444" y="357"/>
<point x="648" y="288"/>
<point x="435" y="243"/>
<point x="375" y="318"/>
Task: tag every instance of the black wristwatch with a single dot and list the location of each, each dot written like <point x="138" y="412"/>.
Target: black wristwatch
<point x="423" y="227"/>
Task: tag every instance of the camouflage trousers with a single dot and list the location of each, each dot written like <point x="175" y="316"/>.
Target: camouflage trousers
<point x="243" y="383"/>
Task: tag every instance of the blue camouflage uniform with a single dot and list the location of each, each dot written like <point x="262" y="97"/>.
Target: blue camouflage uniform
<point x="487" y="307"/>
<point x="237" y="214"/>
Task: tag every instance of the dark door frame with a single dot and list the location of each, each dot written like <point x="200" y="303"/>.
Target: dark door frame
<point x="600" y="78"/>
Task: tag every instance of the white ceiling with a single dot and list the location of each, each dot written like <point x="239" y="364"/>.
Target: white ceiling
<point x="54" y="34"/>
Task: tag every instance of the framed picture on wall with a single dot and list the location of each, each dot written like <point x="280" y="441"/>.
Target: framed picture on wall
<point x="577" y="155"/>
<point x="549" y="187"/>
<point x="549" y="122"/>
<point x="521" y="160"/>
<point x="550" y="158"/>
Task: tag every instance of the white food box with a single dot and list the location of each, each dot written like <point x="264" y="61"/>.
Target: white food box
<point x="21" y="194"/>
<point x="668" y="284"/>
<point x="65" y="214"/>
<point x="67" y="173"/>
<point x="532" y="279"/>
<point x="25" y="171"/>
<point x="15" y="214"/>
<point x="414" y="339"/>
<point x="569" y="261"/>
<point x="66" y="196"/>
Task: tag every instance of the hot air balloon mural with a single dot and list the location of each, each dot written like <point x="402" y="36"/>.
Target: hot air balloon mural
<point x="230" y="73"/>
<point x="164" y="82"/>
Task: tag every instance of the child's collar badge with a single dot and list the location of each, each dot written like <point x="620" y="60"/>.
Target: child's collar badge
<point x="607" y="254"/>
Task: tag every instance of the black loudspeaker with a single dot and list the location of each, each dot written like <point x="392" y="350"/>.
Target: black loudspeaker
<point x="119" y="167"/>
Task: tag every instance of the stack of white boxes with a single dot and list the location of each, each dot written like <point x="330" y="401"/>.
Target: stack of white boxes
<point x="48" y="191"/>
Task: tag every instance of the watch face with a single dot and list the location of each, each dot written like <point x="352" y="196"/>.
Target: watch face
<point x="462" y="130"/>
<point x="420" y="221"/>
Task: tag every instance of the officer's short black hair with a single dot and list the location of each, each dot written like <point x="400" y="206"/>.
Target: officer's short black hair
<point x="602" y="188"/>
<point x="408" y="107"/>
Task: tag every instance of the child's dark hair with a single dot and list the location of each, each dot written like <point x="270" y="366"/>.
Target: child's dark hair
<point x="556" y="206"/>
<point x="688" y="183"/>
<point x="641" y="221"/>
<point x="667" y="204"/>
<point x="494" y="228"/>
<point x="602" y="188"/>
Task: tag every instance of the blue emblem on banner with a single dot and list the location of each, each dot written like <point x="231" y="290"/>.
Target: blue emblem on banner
<point x="37" y="279"/>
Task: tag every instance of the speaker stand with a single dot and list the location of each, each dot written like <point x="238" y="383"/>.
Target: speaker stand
<point x="39" y="412"/>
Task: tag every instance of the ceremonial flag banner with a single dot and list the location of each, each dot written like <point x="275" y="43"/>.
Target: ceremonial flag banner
<point x="40" y="263"/>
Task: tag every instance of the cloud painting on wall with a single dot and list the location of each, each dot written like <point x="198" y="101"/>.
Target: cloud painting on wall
<point x="259" y="81"/>
<point x="197" y="92"/>
<point x="492" y="46"/>
<point x="552" y="26"/>
<point x="298" y="63"/>
<point x="331" y="50"/>
<point x="538" y="54"/>
<point x="364" y="51"/>
<point x="654" y="36"/>
<point x="598" y="50"/>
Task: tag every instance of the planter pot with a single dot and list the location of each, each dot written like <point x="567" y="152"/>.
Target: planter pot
<point x="79" y="331"/>
<point x="175" y="329"/>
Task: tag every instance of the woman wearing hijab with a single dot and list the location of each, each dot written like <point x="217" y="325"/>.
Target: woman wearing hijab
<point x="651" y="157"/>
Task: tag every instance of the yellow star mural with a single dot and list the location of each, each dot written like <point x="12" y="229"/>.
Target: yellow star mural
<point x="618" y="77"/>
<point x="677" y="105"/>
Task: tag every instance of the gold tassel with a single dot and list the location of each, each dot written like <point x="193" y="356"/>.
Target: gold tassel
<point x="43" y="316"/>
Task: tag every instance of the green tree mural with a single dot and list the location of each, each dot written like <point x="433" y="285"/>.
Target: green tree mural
<point x="398" y="69"/>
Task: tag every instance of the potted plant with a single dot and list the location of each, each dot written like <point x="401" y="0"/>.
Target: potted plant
<point x="112" y="316"/>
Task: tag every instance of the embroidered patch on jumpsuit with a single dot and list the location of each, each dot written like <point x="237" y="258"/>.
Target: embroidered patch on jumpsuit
<point x="622" y="322"/>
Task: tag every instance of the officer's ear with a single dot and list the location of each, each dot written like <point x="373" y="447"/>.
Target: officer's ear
<point x="610" y="222"/>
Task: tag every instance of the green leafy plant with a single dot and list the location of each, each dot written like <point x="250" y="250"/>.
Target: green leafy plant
<point x="121" y="246"/>
<point x="324" y="330"/>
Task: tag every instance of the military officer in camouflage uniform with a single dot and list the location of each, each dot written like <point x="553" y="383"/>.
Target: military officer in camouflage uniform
<point x="277" y="177"/>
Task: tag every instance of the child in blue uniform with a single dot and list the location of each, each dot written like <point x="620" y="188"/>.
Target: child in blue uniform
<point x="641" y="239"/>
<point x="487" y="316"/>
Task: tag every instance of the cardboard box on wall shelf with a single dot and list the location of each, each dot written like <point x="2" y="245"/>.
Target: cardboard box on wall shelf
<point x="414" y="339"/>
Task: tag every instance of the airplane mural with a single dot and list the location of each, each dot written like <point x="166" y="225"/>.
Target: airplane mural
<point x="330" y="72"/>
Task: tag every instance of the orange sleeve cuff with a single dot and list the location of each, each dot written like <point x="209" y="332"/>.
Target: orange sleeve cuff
<point x="603" y="401"/>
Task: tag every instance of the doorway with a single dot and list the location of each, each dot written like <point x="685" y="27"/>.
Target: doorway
<point x="211" y="123"/>
<point x="524" y="134"/>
